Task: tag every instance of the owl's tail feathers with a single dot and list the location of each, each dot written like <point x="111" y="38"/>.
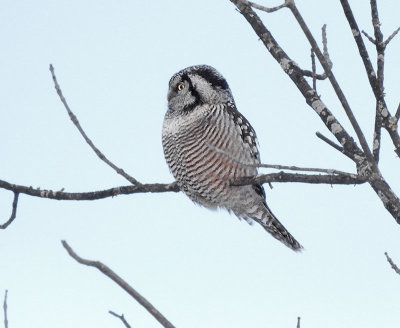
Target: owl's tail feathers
<point x="277" y="230"/>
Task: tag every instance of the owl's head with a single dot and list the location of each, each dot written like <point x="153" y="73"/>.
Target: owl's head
<point x="197" y="85"/>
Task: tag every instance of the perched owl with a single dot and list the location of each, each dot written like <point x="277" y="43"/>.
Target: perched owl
<point x="208" y="144"/>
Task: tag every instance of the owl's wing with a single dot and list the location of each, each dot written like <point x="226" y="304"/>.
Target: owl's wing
<point x="246" y="130"/>
<point x="249" y="138"/>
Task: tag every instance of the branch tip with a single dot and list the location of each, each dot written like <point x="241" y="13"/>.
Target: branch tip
<point x="391" y="37"/>
<point x="13" y="211"/>
<point x="5" y="309"/>
<point x="74" y="119"/>
<point x="392" y="264"/>
<point x="121" y="282"/>
<point x="370" y="38"/>
<point x="121" y="317"/>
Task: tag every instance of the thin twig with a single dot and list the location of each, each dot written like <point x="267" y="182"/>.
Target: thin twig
<point x="391" y="37"/>
<point x="13" y="212"/>
<point x="122" y="283"/>
<point x="298" y="322"/>
<point x="360" y="44"/>
<point x="325" y="64"/>
<point x="347" y="179"/>
<point x="397" y="115"/>
<point x="364" y="160"/>
<point x="325" y="46"/>
<point x="370" y="38"/>
<point x="392" y="129"/>
<point x="376" y="143"/>
<point x="276" y="166"/>
<point x="82" y="132"/>
<point x="392" y="264"/>
<point x="332" y="144"/>
<point x="5" y="310"/>
<point x="297" y="76"/>
<point x="263" y="8"/>
<point x="314" y="69"/>
<point x="127" y="325"/>
<point x="380" y="49"/>
<point x="305" y="169"/>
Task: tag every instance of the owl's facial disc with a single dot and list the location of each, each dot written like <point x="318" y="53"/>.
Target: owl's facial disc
<point x="182" y="94"/>
<point x="197" y="85"/>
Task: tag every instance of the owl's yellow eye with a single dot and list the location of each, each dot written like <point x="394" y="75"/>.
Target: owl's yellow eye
<point x="180" y="86"/>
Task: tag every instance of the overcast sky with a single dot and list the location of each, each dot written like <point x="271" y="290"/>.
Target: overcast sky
<point x="200" y="268"/>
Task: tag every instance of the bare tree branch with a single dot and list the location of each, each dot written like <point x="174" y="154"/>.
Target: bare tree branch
<point x="263" y="8"/>
<point x="392" y="264"/>
<point x="325" y="64"/>
<point x="305" y="169"/>
<point x="391" y="37"/>
<point x="298" y="322"/>
<point x="388" y="122"/>
<point x="380" y="72"/>
<point x="370" y="38"/>
<point x="397" y="115"/>
<point x="122" y="283"/>
<point x="61" y="195"/>
<point x="13" y="212"/>
<point x="5" y="309"/>
<point x="173" y="187"/>
<point x="303" y="178"/>
<point x="331" y="143"/>
<point x="325" y="47"/>
<point x="313" y="69"/>
<point x="326" y="54"/>
<point x="365" y="162"/>
<point x="126" y="324"/>
<point x="84" y="135"/>
<point x="276" y="166"/>
<point x="295" y="74"/>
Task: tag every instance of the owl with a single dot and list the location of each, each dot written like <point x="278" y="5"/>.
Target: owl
<point x="208" y="144"/>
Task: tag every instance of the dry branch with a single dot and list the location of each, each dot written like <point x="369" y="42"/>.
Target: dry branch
<point x="392" y="264"/>
<point x="122" y="283"/>
<point x="92" y="195"/>
<point x="388" y="122"/>
<point x="331" y="143"/>
<point x="5" y="310"/>
<point x="13" y="211"/>
<point x="84" y="135"/>
<point x="364" y="159"/>
<point x="304" y="178"/>
<point x="292" y="70"/>
<point x="338" y="90"/>
<point x="332" y="178"/>
<point x="121" y="317"/>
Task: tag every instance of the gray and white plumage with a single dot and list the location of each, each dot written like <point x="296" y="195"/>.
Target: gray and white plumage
<point x="208" y="143"/>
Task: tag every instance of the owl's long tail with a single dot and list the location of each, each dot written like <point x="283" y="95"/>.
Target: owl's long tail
<point x="270" y="223"/>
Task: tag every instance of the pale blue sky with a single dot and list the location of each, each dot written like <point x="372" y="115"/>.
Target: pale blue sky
<point x="199" y="268"/>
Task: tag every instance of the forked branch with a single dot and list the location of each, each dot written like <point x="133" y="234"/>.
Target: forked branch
<point x="121" y="317"/>
<point x="365" y="162"/>
<point x="122" y="283"/>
